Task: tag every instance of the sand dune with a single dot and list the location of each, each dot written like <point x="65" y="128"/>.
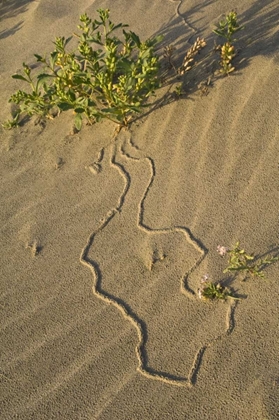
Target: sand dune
<point x="105" y="239"/>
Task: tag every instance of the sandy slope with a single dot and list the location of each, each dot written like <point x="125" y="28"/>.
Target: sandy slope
<point x="104" y="322"/>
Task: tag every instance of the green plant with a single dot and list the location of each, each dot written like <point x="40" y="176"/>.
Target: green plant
<point x="9" y="124"/>
<point x="227" y="28"/>
<point x="106" y="76"/>
<point x="179" y="90"/>
<point x="213" y="291"/>
<point x="239" y="260"/>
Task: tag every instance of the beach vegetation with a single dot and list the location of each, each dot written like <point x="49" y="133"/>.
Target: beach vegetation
<point x="188" y="62"/>
<point x="189" y="58"/>
<point x="227" y="28"/>
<point x="214" y="291"/>
<point x="110" y="74"/>
<point x="9" y="124"/>
<point x="240" y="261"/>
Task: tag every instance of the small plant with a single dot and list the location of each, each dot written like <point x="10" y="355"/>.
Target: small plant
<point x="187" y="64"/>
<point x="168" y="54"/>
<point x="107" y="76"/>
<point x="179" y="90"/>
<point x="204" y="86"/>
<point x="227" y="54"/>
<point x="239" y="260"/>
<point x="9" y="124"/>
<point x="213" y="291"/>
<point x="189" y="59"/>
<point x="227" y="28"/>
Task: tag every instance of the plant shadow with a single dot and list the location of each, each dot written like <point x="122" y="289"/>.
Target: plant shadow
<point x="12" y="8"/>
<point x="7" y="32"/>
<point x="229" y="282"/>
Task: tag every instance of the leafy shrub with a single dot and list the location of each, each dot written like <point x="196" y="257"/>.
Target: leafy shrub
<point x="110" y="74"/>
<point x="106" y="76"/>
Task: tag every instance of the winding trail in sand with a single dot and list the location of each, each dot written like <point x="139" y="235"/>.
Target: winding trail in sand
<point x="118" y="149"/>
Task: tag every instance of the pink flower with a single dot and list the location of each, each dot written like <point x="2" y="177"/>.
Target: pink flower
<point x="222" y="250"/>
<point x="205" y="278"/>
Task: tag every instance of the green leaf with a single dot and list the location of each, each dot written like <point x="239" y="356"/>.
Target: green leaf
<point x="71" y="95"/>
<point x="53" y="57"/>
<point x="19" y="77"/>
<point x="79" y="110"/>
<point x="157" y="39"/>
<point x="135" y="108"/>
<point x="109" y="110"/>
<point x="44" y="76"/>
<point x="220" y="33"/>
<point x="39" y="58"/>
<point x="68" y="40"/>
<point x="41" y="80"/>
<point x="114" y="27"/>
<point x="65" y="106"/>
<point x="78" y="121"/>
<point x="91" y="103"/>
<point x="124" y="65"/>
<point x="135" y="38"/>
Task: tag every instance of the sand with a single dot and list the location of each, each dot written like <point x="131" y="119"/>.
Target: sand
<point x="104" y="240"/>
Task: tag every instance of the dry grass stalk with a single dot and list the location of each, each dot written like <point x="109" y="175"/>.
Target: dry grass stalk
<point x="168" y="54"/>
<point x="188" y="61"/>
